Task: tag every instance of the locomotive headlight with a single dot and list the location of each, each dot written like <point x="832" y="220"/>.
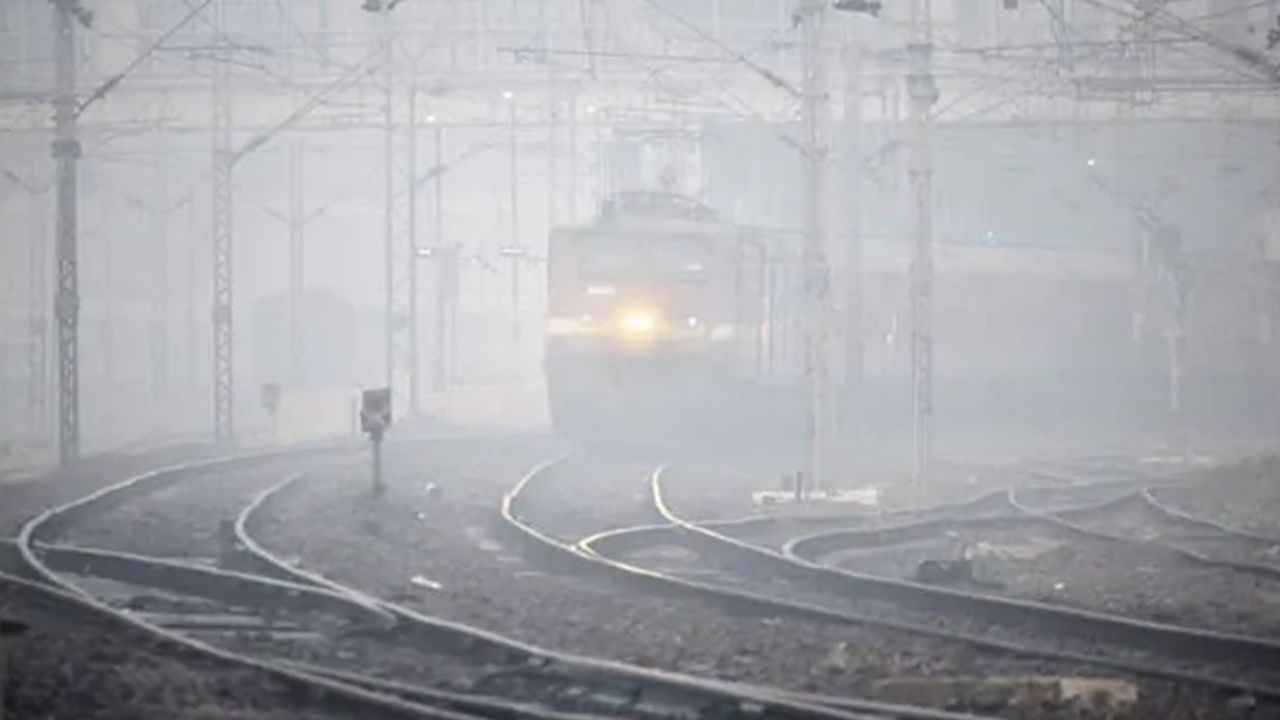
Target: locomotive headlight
<point x="638" y="323"/>
<point x="693" y="322"/>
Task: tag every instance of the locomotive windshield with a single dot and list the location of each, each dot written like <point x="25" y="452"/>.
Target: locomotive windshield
<point x="613" y="259"/>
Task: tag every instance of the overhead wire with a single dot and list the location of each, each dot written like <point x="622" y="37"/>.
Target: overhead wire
<point x="1245" y="59"/>
<point x="142" y="57"/>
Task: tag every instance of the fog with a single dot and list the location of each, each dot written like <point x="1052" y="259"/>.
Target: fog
<point x="1100" y="210"/>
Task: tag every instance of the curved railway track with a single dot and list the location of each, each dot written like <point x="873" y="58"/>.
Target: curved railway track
<point x="586" y="683"/>
<point x="262" y="609"/>
<point x="279" y="602"/>
<point x="993" y="624"/>
<point x="200" y="601"/>
<point x="582" y="556"/>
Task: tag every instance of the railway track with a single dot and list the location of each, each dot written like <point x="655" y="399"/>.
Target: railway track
<point x="318" y="636"/>
<point x="198" y="612"/>
<point x="618" y="687"/>
<point x="1127" y="520"/>
<point x="257" y="623"/>
<point x="1144" y="518"/>
<point x="749" y="578"/>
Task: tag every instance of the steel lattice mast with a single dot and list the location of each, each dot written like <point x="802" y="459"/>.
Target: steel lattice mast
<point x="66" y="152"/>
<point x="922" y="94"/>
<point x="400" y="246"/>
<point x="296" y="260"/>
<point x="37" y="350"/>
<point x="816" y="266"/>
<point x="223" y="160"/>
<point x="160" y="288"/>
<point x="852" y="416"/>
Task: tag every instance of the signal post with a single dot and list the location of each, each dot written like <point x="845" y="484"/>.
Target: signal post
<point x="375" y="420"/>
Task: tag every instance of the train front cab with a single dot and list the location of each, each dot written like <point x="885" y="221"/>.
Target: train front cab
<point x="631" y="346"/>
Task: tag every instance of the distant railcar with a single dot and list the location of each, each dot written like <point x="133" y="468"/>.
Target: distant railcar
<point x="659" y="316"/>
<point x="662" y="315"/>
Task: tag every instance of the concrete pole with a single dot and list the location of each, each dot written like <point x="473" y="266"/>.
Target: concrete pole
<point x="66" y="152"/>
<point x="922" y="93"/>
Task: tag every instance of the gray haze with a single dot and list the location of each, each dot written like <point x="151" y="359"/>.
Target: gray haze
<point x="1105" y="207"/>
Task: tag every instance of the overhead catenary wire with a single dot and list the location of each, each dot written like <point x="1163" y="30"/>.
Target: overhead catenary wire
<point x="142" y="57"/>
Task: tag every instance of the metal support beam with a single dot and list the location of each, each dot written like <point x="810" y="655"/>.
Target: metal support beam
<point x="411" y="250"/>
<point x="851" y="413"/>
<point x="66" y="153"/>
<point x="516" y="259"/>
<point x="297" y="223"/>
<point x="389" y="206"/>
<point x="159" y="336"/>
<point x="922" y="94"/>
<point x="816" y="265"/>
<point x="38" y="307"/>
<point x="400" y="240"/>
<point x="223" y="162"/>
<point x="573" y="156"/>
<point x="553" y="135"/>
<point x="442" y="304"/>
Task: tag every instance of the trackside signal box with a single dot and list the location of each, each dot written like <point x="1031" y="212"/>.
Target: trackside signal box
<point x="375" y="411"/>
<point x="375" y="418"/>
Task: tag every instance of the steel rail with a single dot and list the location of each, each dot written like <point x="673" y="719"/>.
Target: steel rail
<point x="662" y="688"/>
<point x="1176" y="514"/>
<point x="1190" y="643"/>
<point x="583" y="557"/>
<point x="943" y="519"/>
<point x="1139" y="635"/>
<point x="43" y="581"/>
<point x="1066" y="520"/>
<point x="808" y="570"/>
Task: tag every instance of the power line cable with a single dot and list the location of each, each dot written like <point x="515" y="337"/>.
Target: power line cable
<point x="119" y="77"/>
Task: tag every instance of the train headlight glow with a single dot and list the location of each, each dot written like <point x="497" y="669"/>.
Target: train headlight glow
<point x="638" y="323"/>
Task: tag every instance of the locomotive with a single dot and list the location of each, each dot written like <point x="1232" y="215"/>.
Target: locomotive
<point x="658" y="317"/>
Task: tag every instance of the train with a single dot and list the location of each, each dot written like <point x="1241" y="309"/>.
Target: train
<point x="664" y="316"/>
<point x="660" y="316"/>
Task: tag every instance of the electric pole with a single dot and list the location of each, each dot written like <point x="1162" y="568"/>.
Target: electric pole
<point x="438" y="376"/>
<point x="573" y="156"/>
<point x="37" y="350"/>
<point x="922" y="93"/>
<point x="399" y="248"/>
<point x="514" y="250"/>
<point x="389" y="191"/>
<point x="160" y="288"/>
<point x="223" y="160"/>
<point x="852" y="413"/>
<point x="553" y="134"/>
<point x="816" y="267"/>
<point x="296" y="258"/>
<point x="411" y="240"/>
<point x="66" y="152"/>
